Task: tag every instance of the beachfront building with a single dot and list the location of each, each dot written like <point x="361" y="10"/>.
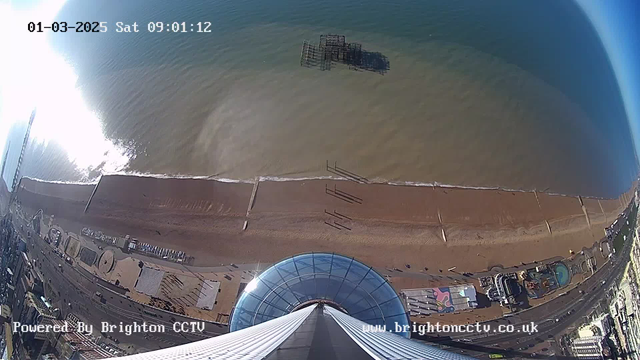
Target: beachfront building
<point x="503" y="288"/>
<point x="5" y="313"/>
<point x="624" y="312"/>
<point x="72" y="344"/>
<point x="507" y="288"/>
<point x="6" y="343"/>
<point x="317" y="305"/>
<point x="592" y="347"/>
<point x="36" y="312"/>
<point x="447" y="299"/>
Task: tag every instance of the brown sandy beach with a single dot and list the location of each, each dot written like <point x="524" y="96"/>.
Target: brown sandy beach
<point x="390" y="225"/>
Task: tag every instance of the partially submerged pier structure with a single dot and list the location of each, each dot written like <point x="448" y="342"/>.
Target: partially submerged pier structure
<point x="334" y="48"/>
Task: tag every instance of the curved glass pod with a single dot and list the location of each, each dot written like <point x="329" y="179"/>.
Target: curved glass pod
<point x="342" y="282"/>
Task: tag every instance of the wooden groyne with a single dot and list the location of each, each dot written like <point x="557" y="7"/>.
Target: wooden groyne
<point x="446" y="208"/>
<point x="92" y="194"/>
<point x="252" y="200"/>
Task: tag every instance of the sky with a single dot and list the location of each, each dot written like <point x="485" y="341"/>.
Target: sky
<point x="36" y="75"/>
<point x="618" y="25"/>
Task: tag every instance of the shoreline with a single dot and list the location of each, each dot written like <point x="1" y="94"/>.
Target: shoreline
<point x="393" y="226"/>
<point x="265" y="178"/>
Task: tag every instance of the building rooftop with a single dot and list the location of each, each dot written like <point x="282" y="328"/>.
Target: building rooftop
<point x="40" y="305"/>
<point x="5" y="311"/>
<point x="445" y="299"/>
<point x="8" y="339"/>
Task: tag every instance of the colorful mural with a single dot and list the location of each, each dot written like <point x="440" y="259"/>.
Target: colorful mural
<point x="443" y="300"/>
<point x="448" y="299"/>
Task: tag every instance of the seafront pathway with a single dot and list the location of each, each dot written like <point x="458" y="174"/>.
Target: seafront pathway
<point x="435" y="275"/>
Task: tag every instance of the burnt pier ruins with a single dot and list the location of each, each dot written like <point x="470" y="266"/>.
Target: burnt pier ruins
<point x="334" y="49"/>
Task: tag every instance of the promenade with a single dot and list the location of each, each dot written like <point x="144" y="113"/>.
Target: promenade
<point x="192" y="224"/>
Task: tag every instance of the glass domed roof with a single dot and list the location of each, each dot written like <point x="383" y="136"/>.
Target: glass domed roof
<point x="342" y="282"/>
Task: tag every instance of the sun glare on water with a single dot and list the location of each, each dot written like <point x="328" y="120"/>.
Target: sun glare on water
<point x="36" y="77"/>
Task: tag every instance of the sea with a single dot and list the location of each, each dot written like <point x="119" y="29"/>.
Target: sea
<point x="509" y="94"/>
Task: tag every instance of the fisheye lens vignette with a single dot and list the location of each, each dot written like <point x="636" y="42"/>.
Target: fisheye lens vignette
<point x="302" y="180"/>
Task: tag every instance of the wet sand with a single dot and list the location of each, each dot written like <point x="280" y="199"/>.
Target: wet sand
<point x="70" y="192"/>
<point x="191" y="195"/>
<point x="390" y="225"/>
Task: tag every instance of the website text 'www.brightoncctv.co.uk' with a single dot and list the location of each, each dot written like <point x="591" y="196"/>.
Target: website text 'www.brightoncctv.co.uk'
<point x="437" y="328"/>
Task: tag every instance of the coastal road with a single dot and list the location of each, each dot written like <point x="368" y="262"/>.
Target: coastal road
<point x="78" y="288"/>
<point x="551" y="318"/>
